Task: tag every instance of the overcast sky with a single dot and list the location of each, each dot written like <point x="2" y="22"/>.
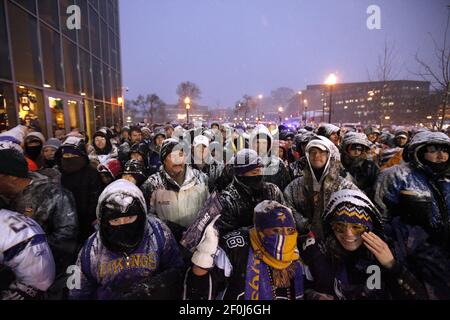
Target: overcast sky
<point x="234" y="47"/>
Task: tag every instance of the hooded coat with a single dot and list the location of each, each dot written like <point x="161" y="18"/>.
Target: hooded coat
<point x="307" y="196"/>
<point x="275" y="170"/>
<point x="100" y="156"/>
<point x="414" y="192"/>
<point x="363" y="171"/>
<point x="151" y="271"/>
<point x="53" y="207"/>
<point x="345" y="275"/>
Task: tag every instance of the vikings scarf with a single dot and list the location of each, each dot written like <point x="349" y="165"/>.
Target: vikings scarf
<point x="257" y="283"/>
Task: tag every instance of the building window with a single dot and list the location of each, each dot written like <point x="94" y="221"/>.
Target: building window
<point x="71" y="67"/>
<point x="86" y="73"/>
<point x="51" y="51"/>
<point x="99" y="115"/>
<point x="48" y="12"/>
<point x="107" y="82"/>
<point x="28" y="4"/>
<point x="98" y="79"/>
<point x="63" y="5"/>
<point x="104" y="37"/>
<point x="25" y="49"/>
<point x="5" y="63"/>
<point x="31" y="108"/>
<point x="108" y="115"/>
<point x="83" y="34"/>
<point x="8" y="112"/>
<point x="94" y="28"/>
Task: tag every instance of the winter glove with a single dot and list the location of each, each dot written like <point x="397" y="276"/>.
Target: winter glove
<point x="203" y="256"/>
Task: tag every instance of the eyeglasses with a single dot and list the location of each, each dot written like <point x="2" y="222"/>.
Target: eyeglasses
<point x="357" y="147"/>
<point x="436" y="148"/>
<point x="355" y="228"/>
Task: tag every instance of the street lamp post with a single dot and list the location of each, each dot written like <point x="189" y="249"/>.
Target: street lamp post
<point x="280" y="110"/>
<point x="187" y="103"/>
<point x="305" y="104"/>
<point x="258" y="106"/>
<point x="331" y="81"/>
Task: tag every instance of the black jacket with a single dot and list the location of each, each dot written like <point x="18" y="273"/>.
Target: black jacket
<point x="238" y="203"/>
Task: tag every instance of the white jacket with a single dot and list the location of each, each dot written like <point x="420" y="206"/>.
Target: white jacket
<point x="175" y="203"/>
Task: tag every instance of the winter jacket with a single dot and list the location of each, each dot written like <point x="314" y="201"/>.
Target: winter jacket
<point x="85" y="186"/>
<point x="364" y="173"/>
<point x="178" y="205"/>
<point x="213" y="170"/>
<point x="415" y="193"/>
<point x="151" y="271"/>
<point x="396" y="159"/>
<point x="347" y="277"/>
<point x="227" y="280"/>
<point x="275" y="170"/>
<point x="307" y="196"/>
<point x="100" y="158"/>
<point x="428" y="262"/>
<point x="53" y="207"/>
<point x="25" y="253"/>
<point x="238" y="203"/>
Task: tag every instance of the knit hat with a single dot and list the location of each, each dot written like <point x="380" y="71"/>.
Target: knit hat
<point x="111" y="166"/>
<point x="271" y="214"/>
<point x="167" y="147"/>
<point x="13" y="163"/>
<point x="16" y="135"/>
<point x="52" y="143"/>
<point x="352" y="206"/>
<point x="246" y="160"/>
<point x="35" y="136"/>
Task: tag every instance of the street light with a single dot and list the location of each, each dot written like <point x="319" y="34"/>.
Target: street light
<point x="280" y="110"/>
<point x="187" y="103"/>
<point x="305" y="104"/>
<point x="331" y="81"/>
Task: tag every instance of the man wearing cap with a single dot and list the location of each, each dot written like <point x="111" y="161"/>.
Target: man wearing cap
<point x="48" y="167"/>
<point x="261" y="263"/>
<point x="203" y="161"/>
<point x="124" y="149"/>
<point x="177" y="192"/>
<point x="154" y="162"/>
<point x="80" y="178"/>
<point x="134" y="171"/>
<point x="33" y="147"/>
<point x="401" y="138"/>
<point x="309" y="194"/>
<point x="354" y="149"/>
<point x="245" y="191"/>
<point x="35" y="196"/>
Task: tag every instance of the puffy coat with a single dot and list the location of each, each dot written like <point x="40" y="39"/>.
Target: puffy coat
<point x="414" y="192"/>
<point x="213" y="170"/>
<point x="238" y="203"/>
<point x="364" y="172"/>
<point x="152" y="270"/>
<point x="53" y="207"/>
<point x="25" y="253"/>
<point x="275" y="170"/>
<point x="86" y="187"/>
<point x="307" y="196"/>
<point x="178" y="205"/>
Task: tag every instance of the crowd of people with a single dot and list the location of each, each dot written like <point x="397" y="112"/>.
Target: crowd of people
<point x="225" y="211"/>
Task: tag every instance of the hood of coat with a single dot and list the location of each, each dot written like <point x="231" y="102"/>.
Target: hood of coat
<point x="333" y="161"/>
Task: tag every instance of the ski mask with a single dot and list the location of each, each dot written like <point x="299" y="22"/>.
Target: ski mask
<point x="74" y="164"/>
<point x="127" y="237"/>
<point x="255" y="183"/>
<point x="33" y="152"/>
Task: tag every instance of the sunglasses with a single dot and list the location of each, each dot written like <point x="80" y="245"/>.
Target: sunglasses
<point x="356" y="228"/>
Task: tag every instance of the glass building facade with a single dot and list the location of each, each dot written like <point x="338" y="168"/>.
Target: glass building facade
<point x="54" y="75"/>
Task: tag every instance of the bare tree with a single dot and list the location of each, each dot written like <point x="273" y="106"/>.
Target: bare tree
<point x="440" y="74"/>
<point x="147" y="105"/>
<point x="245" y="105"/>
<point x="385" y="71"/>
<point x="188" y="89"/>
